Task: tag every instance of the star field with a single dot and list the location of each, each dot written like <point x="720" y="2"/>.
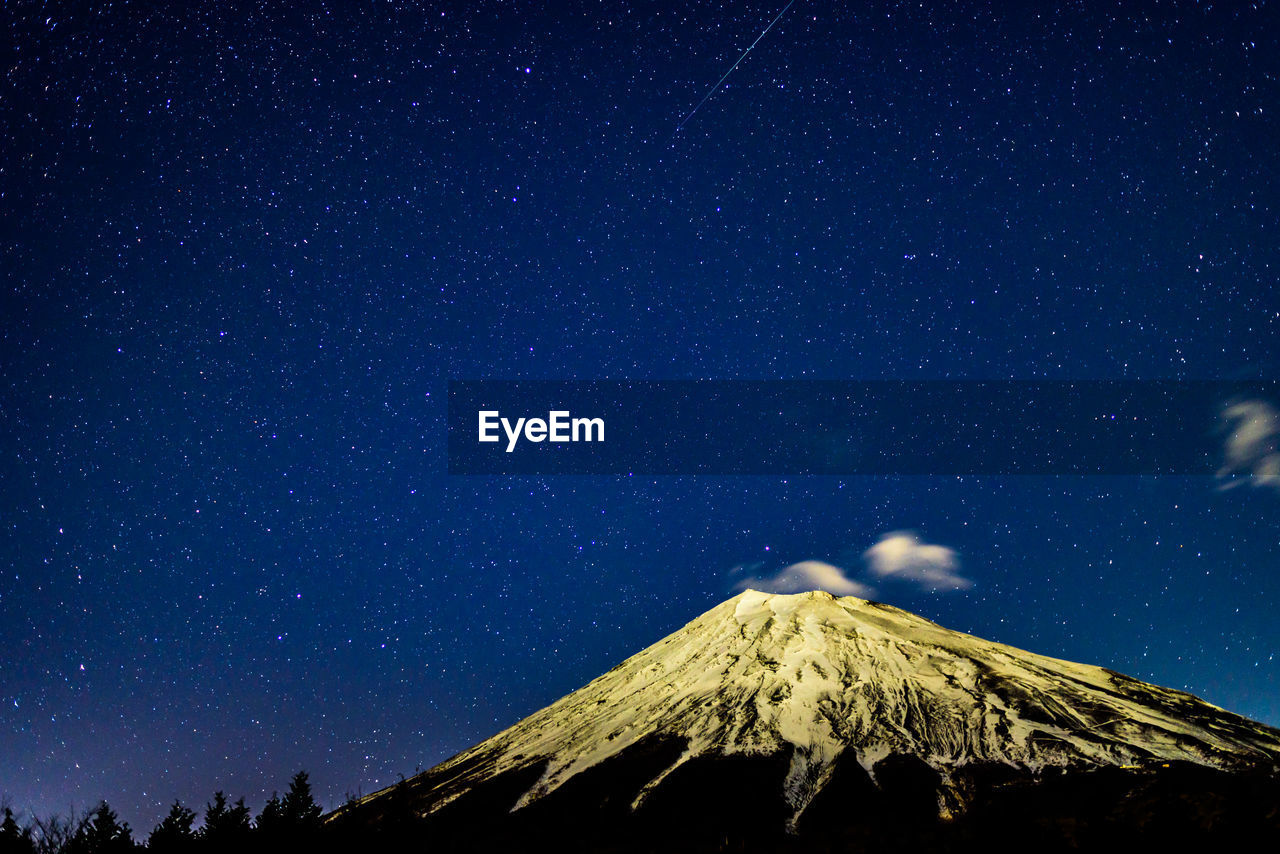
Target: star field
<point x="244" y="247"/>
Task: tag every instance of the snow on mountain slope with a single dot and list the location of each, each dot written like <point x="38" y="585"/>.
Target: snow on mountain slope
<point x="817" y="676"/>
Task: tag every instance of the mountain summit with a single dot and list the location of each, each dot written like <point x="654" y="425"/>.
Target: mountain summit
<point x="769" y="701"/>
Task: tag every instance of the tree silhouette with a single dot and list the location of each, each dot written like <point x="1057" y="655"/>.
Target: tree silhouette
<point x="271" y="821"/>
<point x="225" y="828"/>
<point x="174" y="833"/>
<point x="52" y="834"/>
<point x="15" y="839"/>
<point x="101" y="833"/>
<point x="294" y="818"/>
<point x="299" y="807"/>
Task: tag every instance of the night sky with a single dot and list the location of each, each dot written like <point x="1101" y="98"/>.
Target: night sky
<point x="245" y="247"/>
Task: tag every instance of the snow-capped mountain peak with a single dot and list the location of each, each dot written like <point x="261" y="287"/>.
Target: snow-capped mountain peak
<point x="816" y="678"/>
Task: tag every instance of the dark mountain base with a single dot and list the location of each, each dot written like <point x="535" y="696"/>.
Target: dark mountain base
<point x="1165" y="808"/>
<point x="735" y="804"/>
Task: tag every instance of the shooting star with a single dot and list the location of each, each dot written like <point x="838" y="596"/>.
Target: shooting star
<point x="712" y="90"/>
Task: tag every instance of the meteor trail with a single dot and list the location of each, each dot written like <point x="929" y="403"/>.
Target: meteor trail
<point x="713" y="89"/>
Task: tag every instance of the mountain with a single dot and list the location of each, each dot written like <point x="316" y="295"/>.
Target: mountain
<point x="775" y="721"/>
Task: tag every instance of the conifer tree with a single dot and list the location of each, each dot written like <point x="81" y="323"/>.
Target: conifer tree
<point x="293" y="819"/>
<point x="215" y="814"/>
<point x="299" y="808"/>
<point x="239" y="819"/>
<point x="174" y="833"/>
<point x="271" y="821"/>
<point x="13" y="838"/>
<point x="101" y="832"/>
<point x="225" y="827"/>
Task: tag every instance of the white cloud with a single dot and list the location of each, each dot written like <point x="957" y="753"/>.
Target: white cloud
<point x="898" y="555"/>
<point x="901" y="555"/>
<point x="809" y="575"/>
<point x="1253" y="443"/>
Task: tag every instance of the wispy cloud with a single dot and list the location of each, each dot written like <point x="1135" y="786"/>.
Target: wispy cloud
<point x="902" y="555"/>
<point x="808" y="575"/>
<point x="898" y="556"/>
<point x="1253" y="444"/>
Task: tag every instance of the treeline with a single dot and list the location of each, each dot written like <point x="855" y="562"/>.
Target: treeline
<point x="285" y="823"/>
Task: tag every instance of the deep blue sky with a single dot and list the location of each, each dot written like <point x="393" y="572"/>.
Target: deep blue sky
<point x="243" y="249"/>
